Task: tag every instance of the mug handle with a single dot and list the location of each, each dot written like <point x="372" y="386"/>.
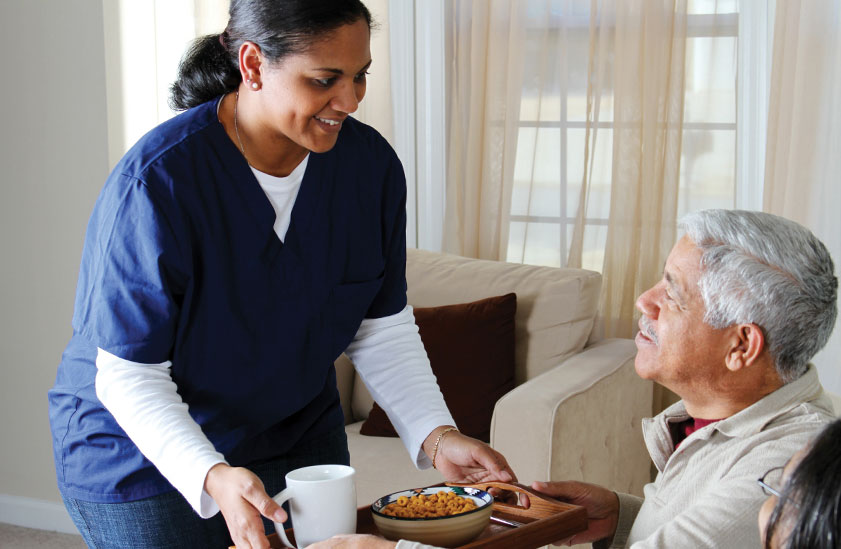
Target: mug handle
<point x="281" y="498"/>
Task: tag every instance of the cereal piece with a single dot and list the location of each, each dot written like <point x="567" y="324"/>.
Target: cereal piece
<point x="441" y="504"/>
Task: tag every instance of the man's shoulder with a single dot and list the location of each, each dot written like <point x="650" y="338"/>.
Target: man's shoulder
<point x="801" y="405"/>
<point x="801" y="402"/>
<point x="805" y="415"/>
<point x="771" y="440"/>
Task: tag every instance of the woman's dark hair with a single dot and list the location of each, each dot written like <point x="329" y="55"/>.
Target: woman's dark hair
<point x="811" y="500"/>
<point x="210" y="67"/>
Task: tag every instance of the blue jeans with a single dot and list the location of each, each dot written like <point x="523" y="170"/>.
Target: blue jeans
<point x="168" y="521"/>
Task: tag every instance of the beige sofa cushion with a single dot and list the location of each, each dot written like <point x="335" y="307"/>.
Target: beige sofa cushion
<point x="383" y="466"/>
<point x="556" y="308"/>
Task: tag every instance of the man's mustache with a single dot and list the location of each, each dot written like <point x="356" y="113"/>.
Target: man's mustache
<point x="648" y="330"/>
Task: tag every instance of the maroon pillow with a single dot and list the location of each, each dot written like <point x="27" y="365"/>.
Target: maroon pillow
<point x="471" y="349"/>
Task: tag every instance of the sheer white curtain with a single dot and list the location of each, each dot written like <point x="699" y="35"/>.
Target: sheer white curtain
<point x="612" y="119"/>
<point x="376" y="109"/>
<point x="144" y="41"/>
<point x="803" y="156"/>
<point x="619" y="117"/>
<point x="649" y="57"/>
<point x="484" y="101"/>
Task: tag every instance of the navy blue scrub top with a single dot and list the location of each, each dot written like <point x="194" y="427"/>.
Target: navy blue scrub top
<point x="181" y="263"/>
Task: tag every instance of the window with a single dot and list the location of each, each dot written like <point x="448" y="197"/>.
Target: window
<point x="144" y="44"/>
<point x="550" y="156"/>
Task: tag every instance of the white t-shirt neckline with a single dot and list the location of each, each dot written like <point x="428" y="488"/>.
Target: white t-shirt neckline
<point x="282" y="193"/>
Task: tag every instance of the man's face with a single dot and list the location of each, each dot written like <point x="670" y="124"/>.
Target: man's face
<point x="675" y="347"/>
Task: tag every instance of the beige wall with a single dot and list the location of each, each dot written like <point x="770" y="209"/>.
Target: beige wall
<point x="53" y="160"/>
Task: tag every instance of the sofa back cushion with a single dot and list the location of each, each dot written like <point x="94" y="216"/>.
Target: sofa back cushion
<point x="556" y="308"/>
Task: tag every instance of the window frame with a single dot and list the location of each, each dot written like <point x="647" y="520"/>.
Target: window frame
<point x="698" y="25"/>
<point x="421" y="110"/>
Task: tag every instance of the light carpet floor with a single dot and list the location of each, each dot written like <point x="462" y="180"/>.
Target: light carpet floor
<point x="18" y="537"/>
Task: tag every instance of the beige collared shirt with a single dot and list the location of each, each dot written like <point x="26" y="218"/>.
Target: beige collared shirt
<point x="705" y="493"/>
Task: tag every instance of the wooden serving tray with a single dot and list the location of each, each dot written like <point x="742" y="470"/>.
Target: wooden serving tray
<point x="545" y="521"/>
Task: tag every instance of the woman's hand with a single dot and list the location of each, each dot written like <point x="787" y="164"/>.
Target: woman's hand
<point x="464" y="459"/>
<point x="354" y="541"/>
<point x="601" y="504"/>
<point x="240" y="495"/>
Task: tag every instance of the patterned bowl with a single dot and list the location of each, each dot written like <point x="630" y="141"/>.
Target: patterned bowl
<point x="449" y="531"/>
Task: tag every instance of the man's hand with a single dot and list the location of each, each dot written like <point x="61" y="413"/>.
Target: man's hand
<point x="354" y="541"/>
<point x="601" y="504"/>
<point x="464" y="459"/>
<point x="241" y="497"/>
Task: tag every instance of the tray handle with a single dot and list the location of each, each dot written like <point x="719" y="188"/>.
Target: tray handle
<point x="540" y="505"/>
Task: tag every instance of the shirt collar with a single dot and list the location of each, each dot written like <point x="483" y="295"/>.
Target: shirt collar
<point x="754" y="418"/>
<point x="751" y="420"/>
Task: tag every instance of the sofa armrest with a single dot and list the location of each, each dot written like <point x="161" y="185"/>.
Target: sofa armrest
<point x="579" y="421"/>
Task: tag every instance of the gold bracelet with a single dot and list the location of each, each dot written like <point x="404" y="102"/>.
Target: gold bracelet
<point x="438" y="441"/>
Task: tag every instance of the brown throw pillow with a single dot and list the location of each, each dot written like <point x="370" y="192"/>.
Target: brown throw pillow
<point x="471" y="349"/>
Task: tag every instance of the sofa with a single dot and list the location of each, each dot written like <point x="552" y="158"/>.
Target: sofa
<point x="576" y="408"/>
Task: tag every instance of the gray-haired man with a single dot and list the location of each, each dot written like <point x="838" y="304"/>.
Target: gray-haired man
<point x="746" y="300"/>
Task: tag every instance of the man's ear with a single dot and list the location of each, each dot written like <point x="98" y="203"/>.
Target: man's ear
<point x="747" y="344"/>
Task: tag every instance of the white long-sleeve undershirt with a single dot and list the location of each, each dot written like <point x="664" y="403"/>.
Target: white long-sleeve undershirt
<point x="389" y="357"/>
<point x="143" y="398"/>
<point x="145" y="402"/>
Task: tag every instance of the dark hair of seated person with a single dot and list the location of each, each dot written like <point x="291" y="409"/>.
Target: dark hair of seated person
<point x="809" y="506"/>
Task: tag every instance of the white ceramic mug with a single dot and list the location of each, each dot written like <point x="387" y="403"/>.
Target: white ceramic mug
<point x="322" y="503"/>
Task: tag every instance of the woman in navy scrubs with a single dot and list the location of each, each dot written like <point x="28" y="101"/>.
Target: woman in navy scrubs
<point x="233" y="253"/>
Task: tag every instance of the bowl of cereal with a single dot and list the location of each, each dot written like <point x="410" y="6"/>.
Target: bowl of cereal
<point x="446" y="516"/>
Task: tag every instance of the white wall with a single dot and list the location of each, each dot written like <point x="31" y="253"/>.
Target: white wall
<point x="53" y="160"/>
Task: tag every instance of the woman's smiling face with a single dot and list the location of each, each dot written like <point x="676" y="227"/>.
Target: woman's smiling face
<point x="305" y="97"/>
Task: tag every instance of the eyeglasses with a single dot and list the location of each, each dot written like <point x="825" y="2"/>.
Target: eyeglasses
<point x="767" y="488"/>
